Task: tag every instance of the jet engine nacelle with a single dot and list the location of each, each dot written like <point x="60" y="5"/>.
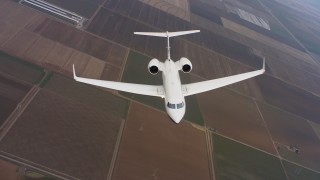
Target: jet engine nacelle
<point x="154" y="66"/>
<point x="184" y="65"/>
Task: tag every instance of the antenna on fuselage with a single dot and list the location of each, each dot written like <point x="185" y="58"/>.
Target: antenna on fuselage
<point x="167" y="35"/>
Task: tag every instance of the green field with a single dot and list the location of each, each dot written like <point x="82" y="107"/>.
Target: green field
<point x="20" y="69"/>
<point x="36" y="176"/>
<point x="280" y="31"/>
<point x="136" y="71"/>
<point x="295" y="172"/>
<point x="233" y="160"/>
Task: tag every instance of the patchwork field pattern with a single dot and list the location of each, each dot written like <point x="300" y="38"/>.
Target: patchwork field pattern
<point x="263" y="128"/>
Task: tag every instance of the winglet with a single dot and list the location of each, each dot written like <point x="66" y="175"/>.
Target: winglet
<point x="74" y="72"/>
<point x="264" y="64"/>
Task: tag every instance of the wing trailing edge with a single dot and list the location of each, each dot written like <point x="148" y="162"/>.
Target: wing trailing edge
<point x="200" y="87"/>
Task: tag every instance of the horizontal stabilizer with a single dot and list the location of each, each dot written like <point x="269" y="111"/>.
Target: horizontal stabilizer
<point x="166" y="34"/>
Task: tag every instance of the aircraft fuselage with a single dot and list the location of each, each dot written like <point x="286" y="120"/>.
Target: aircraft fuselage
<point x="174" y="99"/>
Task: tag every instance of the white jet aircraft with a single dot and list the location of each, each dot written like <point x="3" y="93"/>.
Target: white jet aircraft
<point x="172" y="90"/>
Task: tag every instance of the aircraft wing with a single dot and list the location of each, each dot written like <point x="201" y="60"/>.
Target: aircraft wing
<point x="199" y="87"/>
<point x="149" y="90"/>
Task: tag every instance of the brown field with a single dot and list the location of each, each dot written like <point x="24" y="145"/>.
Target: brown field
<point x="20" y="43"/>
<point x="92" y="45"/>
<point x="46" y="52"/>
<point x="235" y="116"/>
<point x="111" y="73"/>
<point x="72" y="127"/>
<point x="117" y="55"/>
<point x="16" y="15"/>
<point x="80" y="61"/>
<point x="94" y="68"/>
<point x="57" y="57"/>
<point x="289" y="98"/>
<point x="8" y="171"/>
<point x="83" y="42"/>
<point x="267" y="40"/>
<point x="300" y="74"/>
<point x="71" y="37"/>
<point x="87" y="94"/>
<point x="3" y="3"/>
<point x="13" y="89"/>
<point x="176" y="8"/>
<point x="288" y="129"/>
<point x="38" y="23"/>
<point x="6" y="107"/>
<point x="7" y="31"/>
<point x="65" y="136"/>
<point x="39" y="50"/>
<point x="111" y="25"/>
<point x="153" y="147"/>
<point x="183" y="4"/>
<point x="206" y="11"/>
<point x="88" y="66"/>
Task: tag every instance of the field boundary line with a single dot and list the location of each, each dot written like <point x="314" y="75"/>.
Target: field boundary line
<point x="117" y="147"/>
<point x="292" y="35"/>
<point x="16" y="113"/>
<point x="19" y="161"/>
<point x="270" y="136"/>
<point x="210" y="150"/>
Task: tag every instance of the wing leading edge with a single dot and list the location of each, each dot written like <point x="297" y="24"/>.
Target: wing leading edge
<point x="149" y="90"/>
<point x="200" y="87"/>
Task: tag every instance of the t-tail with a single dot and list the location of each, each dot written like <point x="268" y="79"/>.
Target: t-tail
<point x="167" y="35"/>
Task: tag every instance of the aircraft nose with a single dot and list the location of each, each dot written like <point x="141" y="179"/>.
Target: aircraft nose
<point x="176" y="117"/>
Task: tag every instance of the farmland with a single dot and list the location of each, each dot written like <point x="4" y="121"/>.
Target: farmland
<point x="16" y="79"/>
<point x="263" y="128"/>
<point x="295" y="172"/>
<point x="81" y="137"/>
<point x="236" y="116"/>
<point x="147" y="151"/>
<point x="288" y="129"/>
<point x="236" y="161"/>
